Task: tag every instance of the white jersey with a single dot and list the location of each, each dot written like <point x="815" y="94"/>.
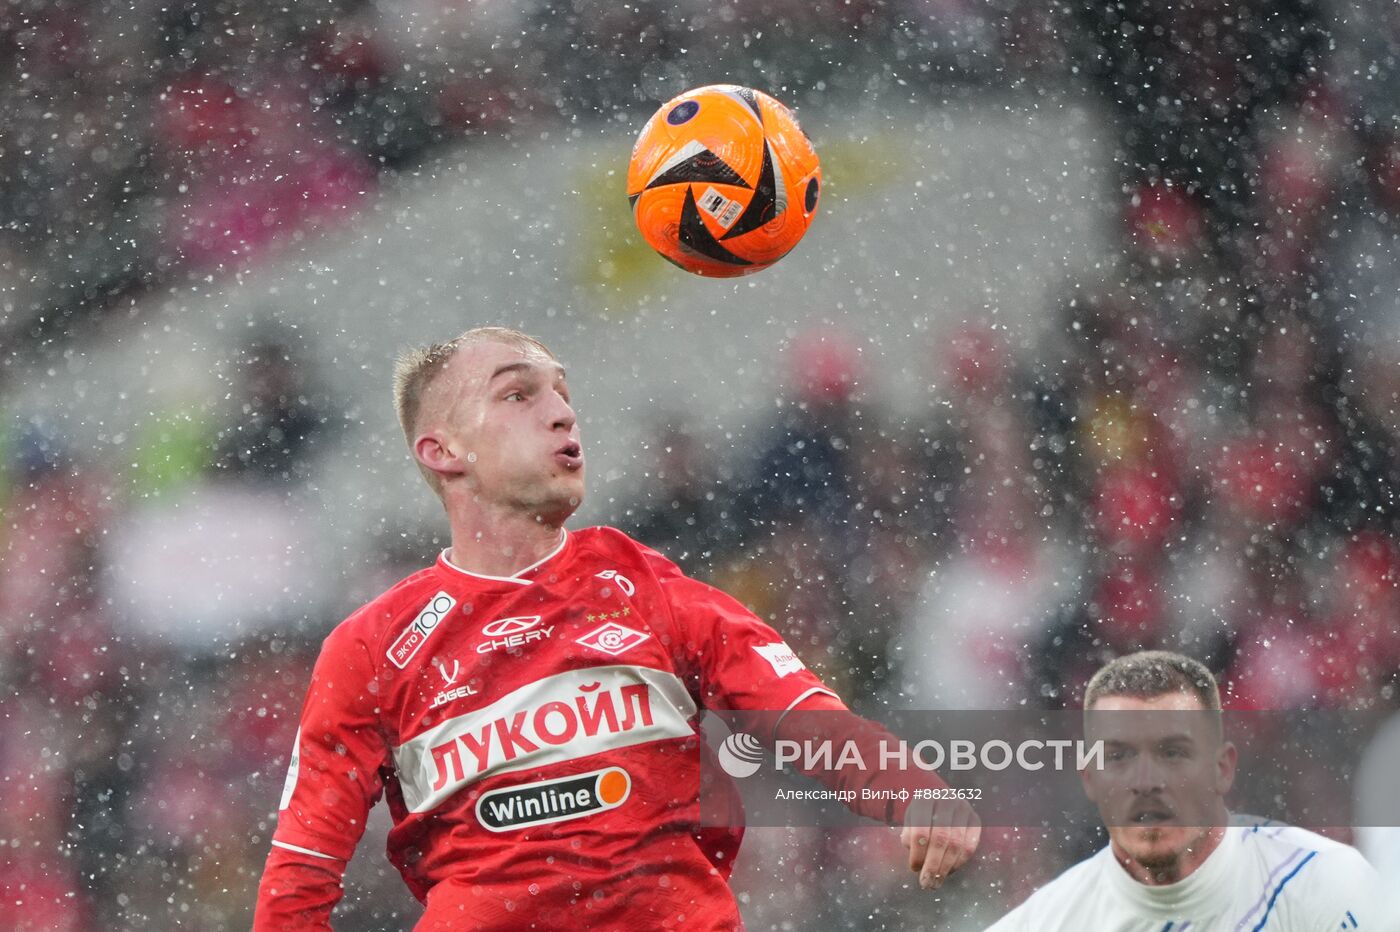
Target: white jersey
<point x="1264" y="877"/>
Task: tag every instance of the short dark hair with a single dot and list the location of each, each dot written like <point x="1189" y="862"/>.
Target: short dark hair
<point x="1151" y="673"/>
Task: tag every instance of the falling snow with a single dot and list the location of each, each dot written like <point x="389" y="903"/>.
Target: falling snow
<point x="1093" y="347"/>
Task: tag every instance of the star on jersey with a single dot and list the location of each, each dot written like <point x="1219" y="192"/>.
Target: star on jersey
<point x="603" y="616"/>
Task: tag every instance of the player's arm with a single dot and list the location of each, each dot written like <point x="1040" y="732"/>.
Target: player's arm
<point x="940" y="835"/>
<point x="742" y="664"/>
<point x="333" y="780"/>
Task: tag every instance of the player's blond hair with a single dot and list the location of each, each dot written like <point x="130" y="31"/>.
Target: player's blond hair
<point x="1148" y="674"/>
<point x="416" y="368"/>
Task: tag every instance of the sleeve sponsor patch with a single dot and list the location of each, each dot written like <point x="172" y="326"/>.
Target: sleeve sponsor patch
<point x="290" y="784"/>
<point x="782" y="657"/>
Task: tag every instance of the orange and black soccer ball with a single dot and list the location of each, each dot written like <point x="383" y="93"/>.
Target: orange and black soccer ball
<point x="723" y="181"/>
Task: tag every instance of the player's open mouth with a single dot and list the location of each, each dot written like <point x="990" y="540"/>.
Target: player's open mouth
<point x="570" y="455"/>
<point x="1152" y="816"/>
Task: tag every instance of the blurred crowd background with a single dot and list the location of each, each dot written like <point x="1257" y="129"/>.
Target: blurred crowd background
<point x="1205" y="457"/>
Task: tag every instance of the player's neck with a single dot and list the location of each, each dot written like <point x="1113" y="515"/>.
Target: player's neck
<point x="502" y="543"/>
<point x="1190" y="861"/>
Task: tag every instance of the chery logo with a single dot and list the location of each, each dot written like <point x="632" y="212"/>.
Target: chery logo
<point x="504" y="626"/>
<point x="512" y="633"/>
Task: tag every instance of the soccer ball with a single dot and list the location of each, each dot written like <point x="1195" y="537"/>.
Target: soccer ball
<point x="723" y="181"/>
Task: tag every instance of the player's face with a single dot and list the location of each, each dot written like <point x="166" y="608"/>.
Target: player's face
<point x="1166" y="771"/>
<point x="507" y="420"/>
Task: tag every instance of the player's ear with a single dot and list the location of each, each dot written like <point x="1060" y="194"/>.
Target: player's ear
<point x="435" y="452"/>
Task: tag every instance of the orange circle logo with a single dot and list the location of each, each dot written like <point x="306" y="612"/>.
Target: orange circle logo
<point x="612" y="787"/>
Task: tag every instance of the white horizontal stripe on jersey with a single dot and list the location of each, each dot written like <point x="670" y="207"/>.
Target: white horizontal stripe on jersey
<point x="558" y="718"/>
<point x="314" y="854"/>
<point x="814" y="691"/>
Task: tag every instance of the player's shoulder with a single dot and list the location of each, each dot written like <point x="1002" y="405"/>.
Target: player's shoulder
<point x="1057" y="903"/>
<point x="611" y="545"/>
<point x="1276" y="842"/>
<point x="601" y="537"/>
<point x="373" y="619"/>
<point x="1326" y="878"/>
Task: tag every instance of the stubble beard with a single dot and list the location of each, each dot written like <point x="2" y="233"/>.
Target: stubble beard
<point x="547" y="499"/>
<point x="1164" y="863"/>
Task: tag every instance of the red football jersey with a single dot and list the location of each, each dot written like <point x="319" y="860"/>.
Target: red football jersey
<point x="536" y="738"/>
